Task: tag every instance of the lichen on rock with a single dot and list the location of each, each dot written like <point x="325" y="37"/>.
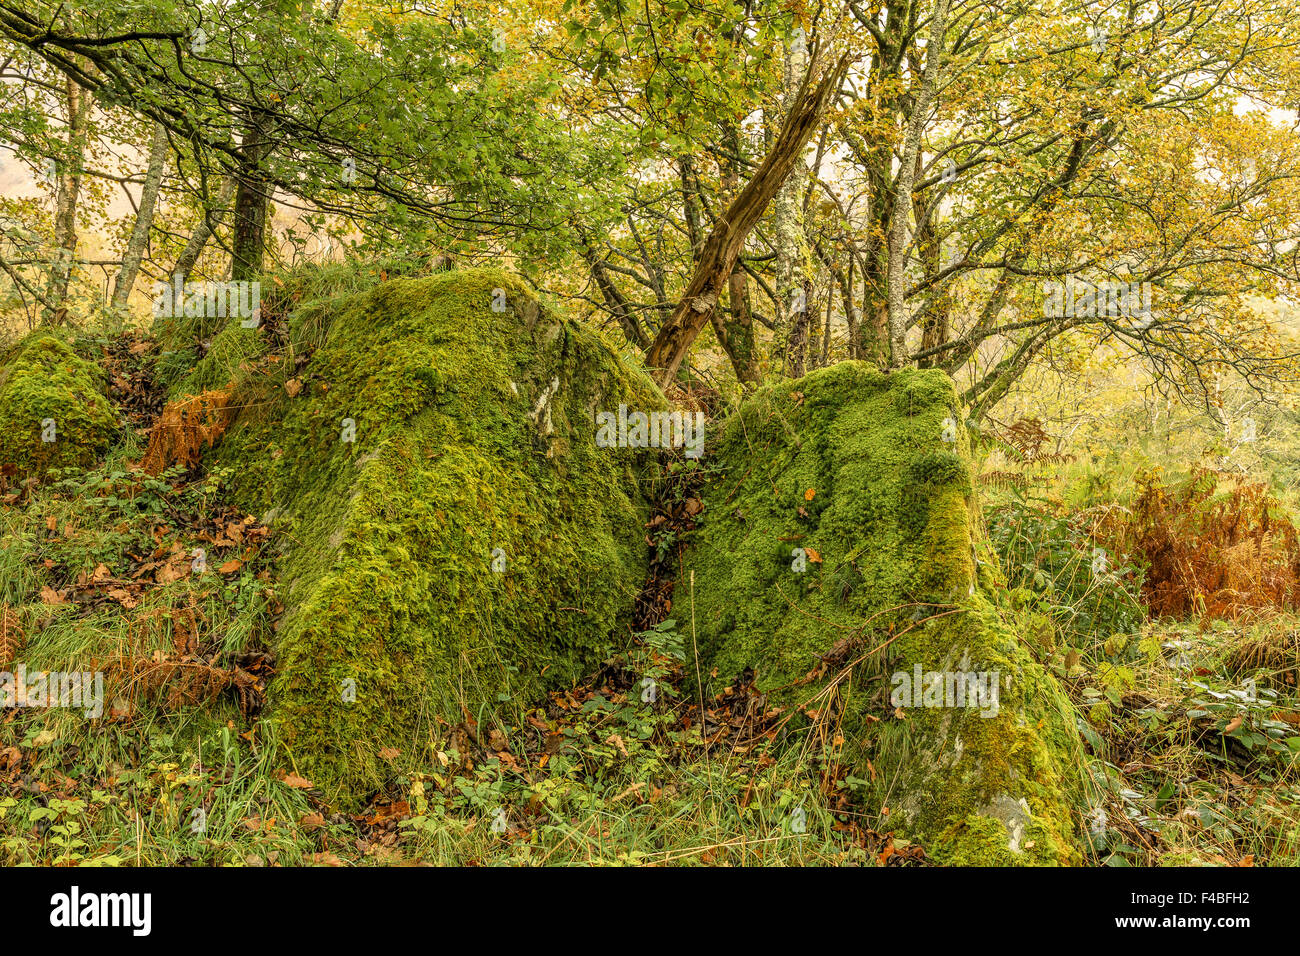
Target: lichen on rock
<point x="840" y="507"/>
<point x="53" y="411"/>
<point x="456" y="541"/>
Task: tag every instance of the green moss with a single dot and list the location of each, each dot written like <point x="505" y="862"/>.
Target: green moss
<point x="474" y="440"/>
<point x="233" y="346"/>
<point x="988" y="840"/>
<point x="869" y="473"/>
<point x="53" y="412"/>
<point x="198" y="352"/>
<point x="954" y="767"/>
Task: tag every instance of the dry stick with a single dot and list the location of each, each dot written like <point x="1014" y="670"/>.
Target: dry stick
<point x="847" y="669"/>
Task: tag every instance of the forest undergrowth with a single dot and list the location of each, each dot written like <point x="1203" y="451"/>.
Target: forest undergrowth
<point x="1168" y="614"/>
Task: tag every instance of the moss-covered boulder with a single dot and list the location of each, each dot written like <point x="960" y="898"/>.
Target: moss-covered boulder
<point x="838" y="556"/>
<point x="456" y="540"/>
<point x="53" y="412"/>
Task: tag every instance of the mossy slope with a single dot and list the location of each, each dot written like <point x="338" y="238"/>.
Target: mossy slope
<point x="869" y="474"/>
<point x="199" y="352"/>
<point x="53" y="412"/>
<point x="471" y="546"/>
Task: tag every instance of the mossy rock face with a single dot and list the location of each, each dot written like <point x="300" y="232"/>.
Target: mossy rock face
<point x="457" y="540"/>
<point x="53" y="412"/>
<point x="841" y="506"/>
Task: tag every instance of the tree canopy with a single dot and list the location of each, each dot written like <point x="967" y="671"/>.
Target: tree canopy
<point x="972" y="186"/>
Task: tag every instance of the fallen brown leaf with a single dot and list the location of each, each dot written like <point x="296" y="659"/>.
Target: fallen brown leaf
<point x="51" y="596"/>
<point x="123" y="597"/>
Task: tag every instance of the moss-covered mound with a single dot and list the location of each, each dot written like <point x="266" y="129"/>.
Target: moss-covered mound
<point x="840" y="531"/>
<point x="198" y="351"/>
<point x="222" y="363"/>
<point x="457" y="541"/>
<point x="53" y="413"/>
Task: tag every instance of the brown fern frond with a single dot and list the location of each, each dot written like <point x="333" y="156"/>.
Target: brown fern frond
<point x="185" y="428"/>
<point x="1051" y="458"/>
<point x="12" y="636"/>
<point x="1023" y="438"/>
<point x="170" y="684"/>
<point x="250" y="690"/>
<point x="185" y="622"/>
<point x="1222" y="552"/>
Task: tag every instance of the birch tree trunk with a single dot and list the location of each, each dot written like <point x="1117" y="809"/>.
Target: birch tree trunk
<point x="787" y="223"/>
<point x="143" y="220"/>
<point x="202" y="232"/>
<point x="875" y="154"/>
<point x="797" y="344"/>
<point x="65" y="206"/>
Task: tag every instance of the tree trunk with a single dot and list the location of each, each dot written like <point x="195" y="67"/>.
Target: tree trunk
<point x="615" y="301"/>
<point x="935" y="322"/>
<point x="821" y="356"/>
<point x="898" y="235"/>
<point x="740" y="345"/>
<point x="143" y="220"/>
<point x="843" y="279"/>
<point x="796" y="352"/>
<point x="736" y="330"/>
<point x="252" y="196"/>
<point x="65" y="206"/>
<point x="202" y="232"/>
<point x="722" y="247"/>
<point x="787" y="223"/>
